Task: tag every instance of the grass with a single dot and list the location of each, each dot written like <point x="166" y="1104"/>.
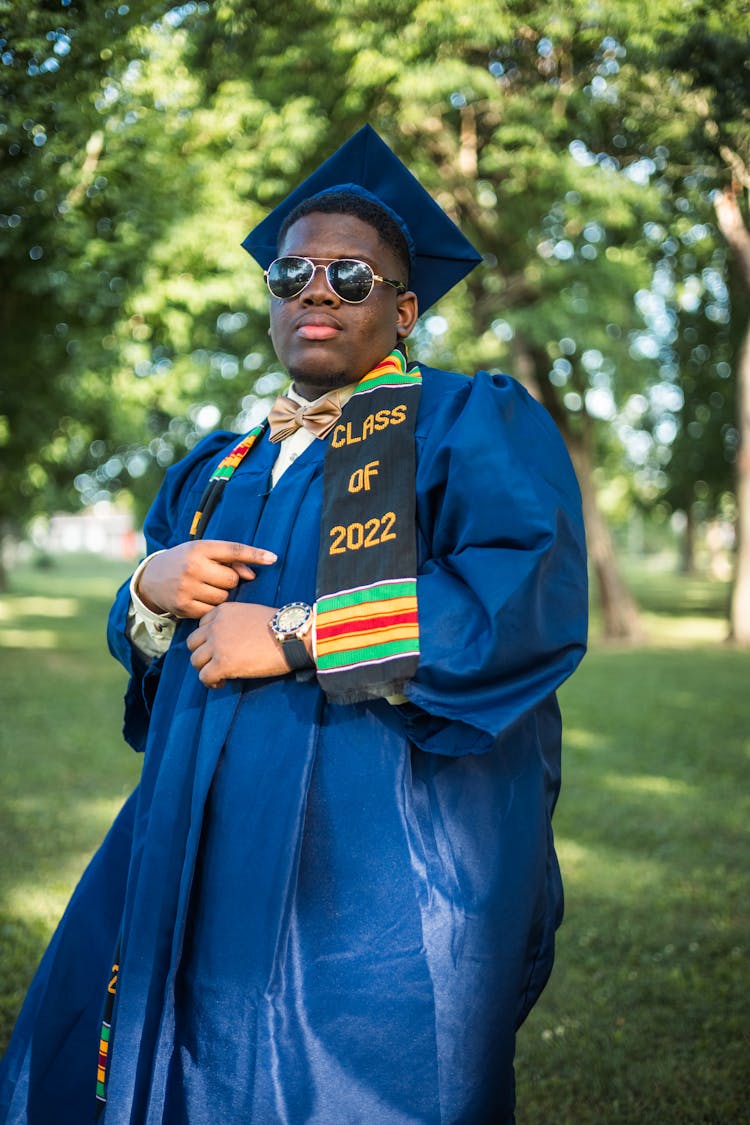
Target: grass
<point x="65" y="769"/>
<point x="646" y="1017"/>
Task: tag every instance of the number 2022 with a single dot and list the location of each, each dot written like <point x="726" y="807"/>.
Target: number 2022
<point x="357" y="535"/>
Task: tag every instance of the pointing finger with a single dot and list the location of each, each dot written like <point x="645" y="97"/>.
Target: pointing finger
<point x="237" y="553"/>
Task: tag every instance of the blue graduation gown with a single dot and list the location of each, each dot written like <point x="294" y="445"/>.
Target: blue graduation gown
<point x="334" y="912"/>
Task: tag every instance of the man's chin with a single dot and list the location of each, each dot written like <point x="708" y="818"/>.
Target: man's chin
<point x="324" y="380"/>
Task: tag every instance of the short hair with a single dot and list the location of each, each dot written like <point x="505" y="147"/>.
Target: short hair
<point x="368" y="210"/>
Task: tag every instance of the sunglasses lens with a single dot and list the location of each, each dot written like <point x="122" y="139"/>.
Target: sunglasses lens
<point x="352" y="280"/>
<point x="288" y="276"/>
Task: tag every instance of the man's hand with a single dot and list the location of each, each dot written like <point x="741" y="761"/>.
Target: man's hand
<point x="193" y="578"/>
<point x="234" y="641"/>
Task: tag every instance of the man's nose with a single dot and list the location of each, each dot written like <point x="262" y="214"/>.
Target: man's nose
<point x="318" y="291"/>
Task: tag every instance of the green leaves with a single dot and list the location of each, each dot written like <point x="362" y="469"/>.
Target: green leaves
<point x="140" y="143"/>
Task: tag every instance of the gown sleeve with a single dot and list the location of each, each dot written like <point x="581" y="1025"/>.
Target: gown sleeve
<point x="166" y="525"/>
<point x="502" y="589"/>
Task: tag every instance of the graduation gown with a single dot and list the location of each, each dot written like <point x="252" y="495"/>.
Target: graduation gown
<point x="334" y="912"/>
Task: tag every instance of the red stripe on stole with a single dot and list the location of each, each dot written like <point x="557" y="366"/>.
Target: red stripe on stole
<point x="366" y="624"/>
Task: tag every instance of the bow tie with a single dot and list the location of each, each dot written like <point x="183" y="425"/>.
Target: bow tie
<point x="319" y="417"/>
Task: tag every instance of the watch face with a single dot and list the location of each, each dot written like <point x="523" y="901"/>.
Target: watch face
<point x="291" y="617"/>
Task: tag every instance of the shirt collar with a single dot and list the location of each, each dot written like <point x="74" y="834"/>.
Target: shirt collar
<point x="343" y="393"/>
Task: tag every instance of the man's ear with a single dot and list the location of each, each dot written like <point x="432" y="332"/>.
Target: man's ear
<point x="408" y="311"/>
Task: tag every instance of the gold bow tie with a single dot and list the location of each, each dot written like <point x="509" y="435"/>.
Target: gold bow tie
<point x="319" y="417"/>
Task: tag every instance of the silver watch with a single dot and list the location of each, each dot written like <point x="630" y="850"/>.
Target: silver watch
<point x="289" y="625"/>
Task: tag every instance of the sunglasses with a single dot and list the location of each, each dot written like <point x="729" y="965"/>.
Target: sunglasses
<point x="349" y="278"/>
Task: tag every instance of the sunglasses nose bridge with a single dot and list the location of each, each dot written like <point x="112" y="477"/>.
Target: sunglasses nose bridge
<point x="318" y="288"/>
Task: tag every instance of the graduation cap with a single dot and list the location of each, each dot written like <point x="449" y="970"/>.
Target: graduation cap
<point x="365" y="165"/>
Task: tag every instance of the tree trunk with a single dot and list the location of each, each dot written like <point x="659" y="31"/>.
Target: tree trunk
<point x="740" y="611"/>
<point x="620" y="616"/>
<point x="3" y="568"/>
<point x="687" y="566"/>
<point x="733" y="228"/>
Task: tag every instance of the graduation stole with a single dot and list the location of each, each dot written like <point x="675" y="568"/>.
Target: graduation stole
<point x="366" y="627"/>
<point x="367" y="633"/>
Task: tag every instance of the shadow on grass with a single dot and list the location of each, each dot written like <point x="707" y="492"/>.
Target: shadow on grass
<point x="674" y="595"/>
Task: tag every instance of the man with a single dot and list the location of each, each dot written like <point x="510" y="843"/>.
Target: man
<point x="334" y="895"/>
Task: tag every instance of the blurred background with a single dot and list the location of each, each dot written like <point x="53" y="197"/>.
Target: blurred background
<point x="599" y="158"/>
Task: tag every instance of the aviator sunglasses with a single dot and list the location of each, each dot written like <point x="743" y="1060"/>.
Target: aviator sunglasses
<point x="350" y="279"/>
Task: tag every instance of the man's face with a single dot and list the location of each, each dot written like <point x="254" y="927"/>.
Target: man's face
<point x="321" y="340"/>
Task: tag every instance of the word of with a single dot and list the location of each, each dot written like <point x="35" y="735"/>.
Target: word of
<point x="360" y="478"/>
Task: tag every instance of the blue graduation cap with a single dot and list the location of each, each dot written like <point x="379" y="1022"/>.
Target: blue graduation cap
<point x="441" y="255"/>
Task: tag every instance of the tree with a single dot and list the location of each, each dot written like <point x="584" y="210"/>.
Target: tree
<point x="541" y="131"/>
<point x="559" y="208"/>
<point x="711" y="61"/>
<point x="733" y="227"/>
<point x="54" y="84"/>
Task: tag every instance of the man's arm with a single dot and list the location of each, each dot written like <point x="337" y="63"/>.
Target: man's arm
<point x="503" y="590"/>
<point x="234" y="641"/>
<point x="192" y="580"/>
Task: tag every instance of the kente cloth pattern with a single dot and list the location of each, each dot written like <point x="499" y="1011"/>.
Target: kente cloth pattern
<point x="105" y="1035"/>
<point x="305" y="887"/>
<point x="101" y="1073"/>
<point x="367" y="628"/>
<point x="220" y="477"/>
<point x="367" y="625"/>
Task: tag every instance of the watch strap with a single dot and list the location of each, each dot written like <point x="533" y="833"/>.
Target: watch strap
<point x="296" y="654"/>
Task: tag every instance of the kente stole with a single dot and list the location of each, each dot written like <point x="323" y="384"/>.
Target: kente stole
<point x="366" y="627"/>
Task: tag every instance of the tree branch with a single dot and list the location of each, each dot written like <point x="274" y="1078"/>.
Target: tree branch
<point x="732" y="226"/>
<point x="740" y="170"/>
<point x="94" y="149"/>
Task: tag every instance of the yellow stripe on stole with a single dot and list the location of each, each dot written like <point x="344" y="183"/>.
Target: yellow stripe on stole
<point x="366" y="639"/>
<point x="367" y="609"/>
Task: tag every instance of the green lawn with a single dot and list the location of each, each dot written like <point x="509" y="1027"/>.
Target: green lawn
<point x="646" y="1017"/>
<point x="64" y="767"/>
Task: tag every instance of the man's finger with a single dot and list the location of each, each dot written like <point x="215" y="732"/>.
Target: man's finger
<point x="200" y="609"/>
<point x="223" y="575"/>
<point x="196" y="610"/>
<point x="208" y="677"/>
<point x="225" y="551"/>
<point x="197" y="602"/>
<point x="195" y="640"/>
<point x="201" y="657"/>
<point x="243" y="570"/>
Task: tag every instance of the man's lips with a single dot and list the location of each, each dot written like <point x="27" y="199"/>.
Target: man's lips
<point x="317" y="331"/>
<point x="317" y="328"/>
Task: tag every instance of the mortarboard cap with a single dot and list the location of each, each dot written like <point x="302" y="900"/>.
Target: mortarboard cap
<point x="441" y="254"/>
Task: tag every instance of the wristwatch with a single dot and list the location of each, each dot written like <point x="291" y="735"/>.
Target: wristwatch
<point x="289" y="625"/>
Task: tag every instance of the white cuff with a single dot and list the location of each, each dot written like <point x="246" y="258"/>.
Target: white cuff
<point x="140" y="607"/>
<point x="149" y="631"/>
